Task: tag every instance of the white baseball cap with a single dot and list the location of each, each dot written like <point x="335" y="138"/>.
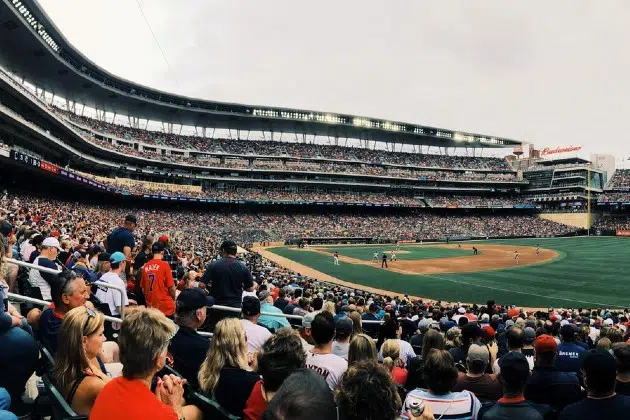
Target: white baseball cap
<point x="51" y="243"/>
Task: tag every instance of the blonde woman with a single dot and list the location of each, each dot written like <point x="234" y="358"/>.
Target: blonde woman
<point x="357" y="328"/>
<point x="78" y="372"/>
<point x="329" y="307"/>
<point x="392" y="361"/>
<point x="225" y="375"/>
<point x="362" y="347"/>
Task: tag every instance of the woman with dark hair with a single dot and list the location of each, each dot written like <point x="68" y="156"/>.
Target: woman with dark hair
<point x="440" y="376"/>
<point x="415" y="366"/>
<point x="280" y="356"/>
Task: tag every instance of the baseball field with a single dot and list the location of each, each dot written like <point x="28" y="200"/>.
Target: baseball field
<point x="565" y="272"/>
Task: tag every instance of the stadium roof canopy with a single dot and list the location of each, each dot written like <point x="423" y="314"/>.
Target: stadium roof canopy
<point x="32" y="47"/>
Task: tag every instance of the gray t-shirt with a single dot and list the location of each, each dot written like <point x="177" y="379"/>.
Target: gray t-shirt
<point x="341" y="349"/>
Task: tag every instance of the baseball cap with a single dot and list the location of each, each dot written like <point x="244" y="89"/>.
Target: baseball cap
<point x="462" y="310"/>
<point x="163" y="239"/>
<point x="131" y="218"/>
<point x="513" y="312"/>
<point x="530" y="335"/>
<point x="251" y="306"/>
<point x="488" y="331"/>
<point x="424" y="324"/>
<point x="5" y="227"/>
<point x="193" y="299"/>
<point x="344" y="326"/>
<point x="568" y="330"/>
<point x="263" y="294"/>
<point x="478" y="353"/>
<point x="104" y="256"/>
<point x="51" y="243"/>
<point x="157" y="247"/>
<point x="599" y="364"/>
<point x="509" y="323"/>
<point x="307" y="320"/>
<point x="545" y="344"/>
<point x="514" y="367"/>
<point x="117" y="257"/>
<point x="80" y="254"/>
<point x="485" y="318"/>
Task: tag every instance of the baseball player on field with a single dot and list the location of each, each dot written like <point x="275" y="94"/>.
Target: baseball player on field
<point x="336" y="258"/>
<point x="375" y="257"/>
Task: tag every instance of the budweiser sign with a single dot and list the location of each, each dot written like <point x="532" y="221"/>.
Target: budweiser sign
<point x="548" y="151"/>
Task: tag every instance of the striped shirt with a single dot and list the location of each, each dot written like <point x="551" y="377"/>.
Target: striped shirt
<point x="452" y="406"/>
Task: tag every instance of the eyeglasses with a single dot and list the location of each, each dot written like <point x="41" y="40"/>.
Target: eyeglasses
<point x="91" y="314"/>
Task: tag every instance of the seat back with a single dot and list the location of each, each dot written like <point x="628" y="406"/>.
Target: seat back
<point x="46" y="360"/>
<point x="210" y="408"/>
<point x="61" y="409"/>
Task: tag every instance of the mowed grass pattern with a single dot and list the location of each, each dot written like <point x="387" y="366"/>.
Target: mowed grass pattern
<point x="415" y="252"/>
<point x="590" y="272"/>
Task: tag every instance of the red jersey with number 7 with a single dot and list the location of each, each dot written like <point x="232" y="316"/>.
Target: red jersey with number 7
<point x="155" y="282"/>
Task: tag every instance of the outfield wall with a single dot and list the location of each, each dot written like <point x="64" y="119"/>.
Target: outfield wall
<point x="571" y="219"/>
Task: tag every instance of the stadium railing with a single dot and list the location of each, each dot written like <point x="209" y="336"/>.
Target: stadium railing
<point x="21" y="298"/>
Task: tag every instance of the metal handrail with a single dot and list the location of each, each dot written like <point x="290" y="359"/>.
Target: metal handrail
<point x="124" y="291"/>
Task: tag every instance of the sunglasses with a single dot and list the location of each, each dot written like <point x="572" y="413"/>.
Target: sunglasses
<point x="91" y="314"/>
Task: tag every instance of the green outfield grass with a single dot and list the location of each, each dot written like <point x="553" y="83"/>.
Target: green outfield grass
<point x="590" y="272"/>
<point x="366" y="252"/>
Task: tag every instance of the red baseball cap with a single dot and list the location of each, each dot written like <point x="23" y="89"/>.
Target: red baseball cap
<point x="488" y="331"/>
<point x="163" y="238"/>
<point x="513" y="312"/>
<point x="545" y="344"/>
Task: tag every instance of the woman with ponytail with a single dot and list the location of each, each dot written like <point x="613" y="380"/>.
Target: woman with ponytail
<point x="392" y="361"/>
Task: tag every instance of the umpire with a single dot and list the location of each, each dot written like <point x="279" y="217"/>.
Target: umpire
<point x="384" y="260"/>
<point x="226" y="279"/>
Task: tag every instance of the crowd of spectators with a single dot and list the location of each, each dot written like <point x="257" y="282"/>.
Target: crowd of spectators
<point x="285" y="149"/>
<point x="475" y="201"/>
<point x="613" y="222"/>
<point x="620" y="180"/>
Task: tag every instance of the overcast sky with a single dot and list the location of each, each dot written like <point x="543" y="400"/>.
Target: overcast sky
<point x="551" y="73"/>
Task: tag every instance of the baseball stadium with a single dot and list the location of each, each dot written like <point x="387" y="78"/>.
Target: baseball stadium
<point x="100" y="174"/>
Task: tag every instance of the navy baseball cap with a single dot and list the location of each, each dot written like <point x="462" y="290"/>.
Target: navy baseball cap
<point x="193" y="299"/>
<point x="157" y="247"/>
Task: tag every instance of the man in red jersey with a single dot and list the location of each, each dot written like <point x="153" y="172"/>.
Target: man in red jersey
<point x="157" y="282"/>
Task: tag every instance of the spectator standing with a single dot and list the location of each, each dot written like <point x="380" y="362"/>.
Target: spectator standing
<point x="569" y="352"/>
<point x="188" y="347"/>
<point x="143" y="341"/>
<point x="144" y="255"/>
<point x="169" y="255"/>
<point x="320" y="358"/>
<point x="256" y="335"/>
<point x="272" y="323"/>
<point x="602" y="402"/>
<point x="280" y="356"/>
<point x="158" y="286"/>
<point x="514" y="374"/>
<point x="547" y="385"/>
<point x="47" y="257"/>
<point x="226" y="279"/>
<point x="440" y="376"/>
<point x="225" y="375"/>
<point x="485" y="386"/>
<point x="121" y="239"/>
<point x="343" y="333"/>
<point x="471" y="334"/>
<point x="113" y="297"/>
